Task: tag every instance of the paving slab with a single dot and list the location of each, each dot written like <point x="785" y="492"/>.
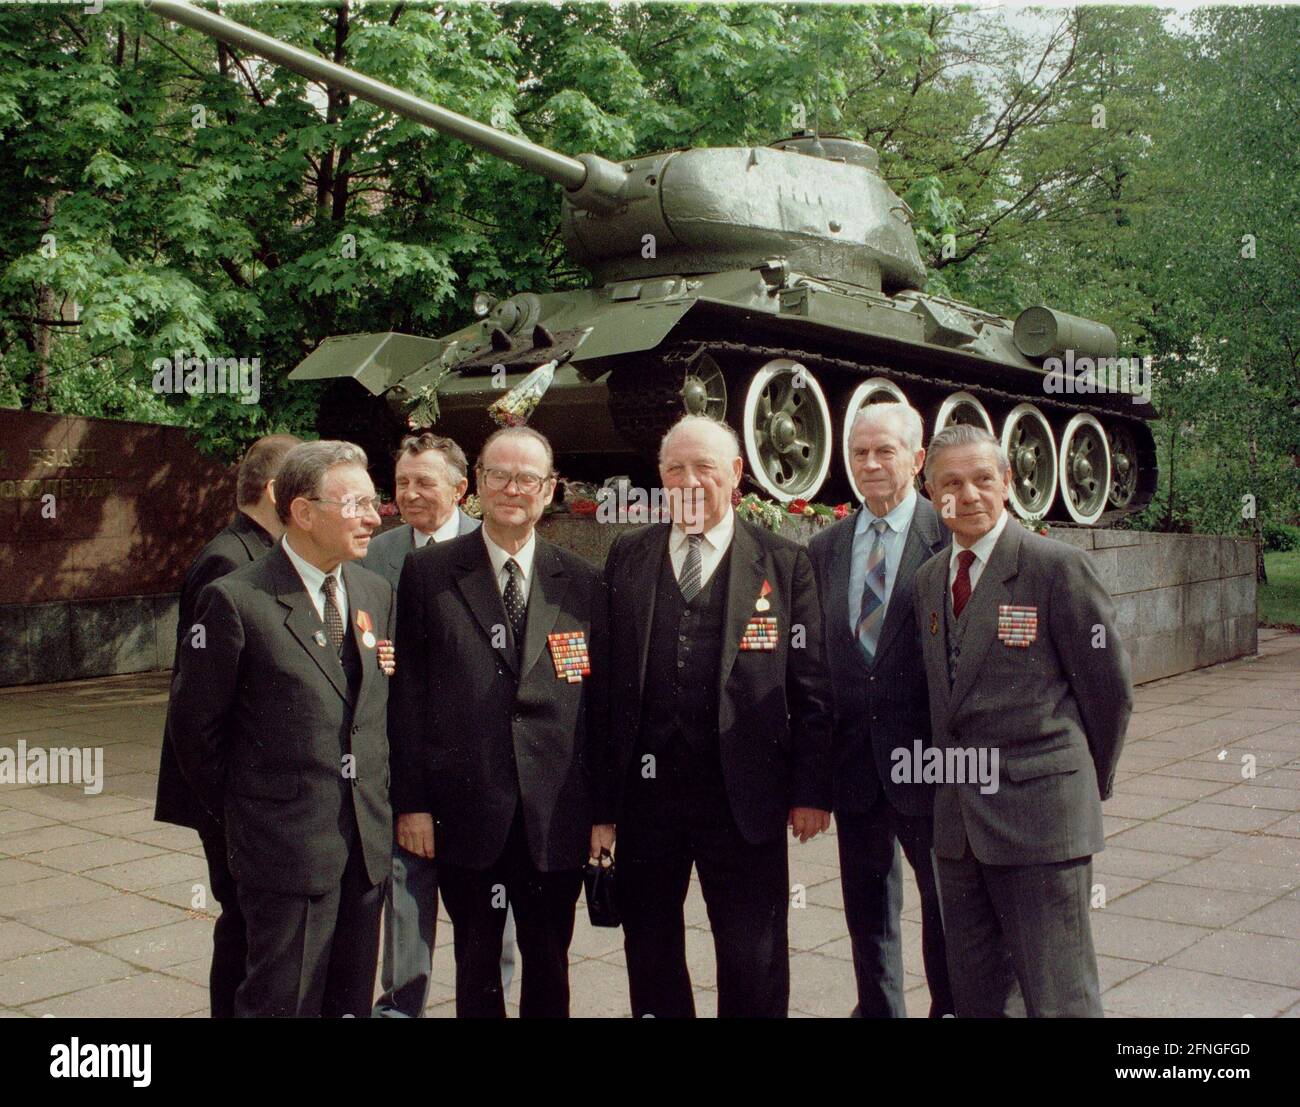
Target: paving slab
<point x="1164" y="992"/>
<point x="1187" y="903"/>
<point x="1244" y="956"/>
<point x="57" y="972"/>
<point x="1280" y="918"/>
<point x="142" y="996"/>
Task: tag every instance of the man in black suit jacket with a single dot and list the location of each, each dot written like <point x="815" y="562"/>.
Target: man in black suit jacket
<point x="882" y="706"/>
<point x="249" y="535"/>
<point x="431" y="480"/>
<point x="720" y="711"/>
<point x="279" y="717"/>
<point x="497" y="728"/>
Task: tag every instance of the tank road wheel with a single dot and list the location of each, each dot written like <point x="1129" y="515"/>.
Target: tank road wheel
<point x="962" y="407"/>
<point x="786" y="431"/>
<point x="704" y="391"/>
<point x="1085" y="469"/>
<point x="1027" y="439"/>
<point x="1124" y="465"/>
<point x="877" y="390"/>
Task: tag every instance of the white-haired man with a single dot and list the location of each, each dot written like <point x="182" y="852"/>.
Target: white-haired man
<point x="865" y="569"/>
<point x="1023" y="665"/>
<point x="720" y="720"/>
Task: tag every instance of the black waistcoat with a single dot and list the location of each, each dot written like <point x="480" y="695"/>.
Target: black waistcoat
<point x="681" y="686"/>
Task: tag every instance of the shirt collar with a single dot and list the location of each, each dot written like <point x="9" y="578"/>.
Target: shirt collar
<point x="898" y="520"/>
<point x="982" y="548"/>
<point x="719" y="537"/>
<point x="449" y="530"/>
<point x="499" y="557"/>
<point x="312" y="577"/>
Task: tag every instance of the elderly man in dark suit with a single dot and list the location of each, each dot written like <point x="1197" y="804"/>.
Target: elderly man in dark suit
<point x="279" y="715"/>
<point x="1030" y="697"/>
<point x="498" y="728"/>
<point x="865" y="567"/>
<point x="250" y="534"/>
<point x="721" y="712"/>
<point x="431" y="480"/>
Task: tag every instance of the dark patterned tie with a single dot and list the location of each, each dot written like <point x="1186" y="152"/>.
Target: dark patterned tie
<point x="516" y="608"/>
<point x="961" y="585"/>
<point x="872" y="614"/>
<point x="333" y="620"/>
<point x="692" y="570"/>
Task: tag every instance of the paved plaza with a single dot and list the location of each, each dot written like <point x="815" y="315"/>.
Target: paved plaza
<point x="1196" y="910"/>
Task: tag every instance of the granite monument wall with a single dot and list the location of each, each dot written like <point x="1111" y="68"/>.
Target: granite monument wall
<point x="99" y="519"/>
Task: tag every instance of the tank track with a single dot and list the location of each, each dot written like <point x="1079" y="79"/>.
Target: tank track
<point x="645" y="399"/>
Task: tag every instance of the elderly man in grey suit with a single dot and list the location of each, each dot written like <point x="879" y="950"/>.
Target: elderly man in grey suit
<point x="1030" y="697"/>
<point x="432" y="477"/>
<point x="865" y="567"/>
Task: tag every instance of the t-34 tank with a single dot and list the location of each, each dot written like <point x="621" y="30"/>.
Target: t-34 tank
<point x="777" y="287"/>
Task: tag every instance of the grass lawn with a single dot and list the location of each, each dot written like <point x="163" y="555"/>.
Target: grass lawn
<point x="1279" y="599"/>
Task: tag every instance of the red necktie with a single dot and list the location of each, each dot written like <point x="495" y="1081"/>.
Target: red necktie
<point x="961" y="586"/>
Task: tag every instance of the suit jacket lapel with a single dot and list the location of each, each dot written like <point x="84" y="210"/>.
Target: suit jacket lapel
<point x="744" y="583"/>
<point x="478" y="585"/>
<point x="550" y="582"/>
<point x="934" y="589"/>
<point x="838" y="580"/>
<point x="918" y="548"/>
<point x="357" y="603"/>
<point x="399" y="548"/>
<point x="981" y="612"/>
<point x="644" y="561"/>
<point x="303" y="622"/>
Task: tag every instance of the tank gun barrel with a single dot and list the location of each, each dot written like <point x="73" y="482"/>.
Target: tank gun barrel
<point x="600" y="177"/>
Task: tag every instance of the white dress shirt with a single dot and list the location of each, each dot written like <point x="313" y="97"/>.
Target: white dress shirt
<point x="449" y="530"/>
<point x="313" y="580"/>
<point x="713" y="546"/>
<point x="982" y="549"/>
<point x="894" y="539"/>
<point x="524" y="559"/>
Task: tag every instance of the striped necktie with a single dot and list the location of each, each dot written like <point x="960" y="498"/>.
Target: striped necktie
<point x="692" y="569"/>
<point x="872" y="614"/>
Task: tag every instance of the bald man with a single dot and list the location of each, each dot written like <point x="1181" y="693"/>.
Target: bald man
<point x="720" y="725"/>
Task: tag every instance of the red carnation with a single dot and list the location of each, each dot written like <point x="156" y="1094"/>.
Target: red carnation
<point x="797" y="507"/>
<point x="842" y="511"/>
<point x="584" y="507"/>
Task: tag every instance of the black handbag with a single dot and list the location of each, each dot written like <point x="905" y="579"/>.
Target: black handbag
<point x="602" y="903"/>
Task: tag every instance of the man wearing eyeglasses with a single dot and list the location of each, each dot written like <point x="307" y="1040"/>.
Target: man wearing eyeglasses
<point x="278" y="715"/>
<point x="497" y="729"/>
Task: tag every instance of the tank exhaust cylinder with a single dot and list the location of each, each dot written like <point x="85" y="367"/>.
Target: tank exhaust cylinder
<point x="1045" y="332"/>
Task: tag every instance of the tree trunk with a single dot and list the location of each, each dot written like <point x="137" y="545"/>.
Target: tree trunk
<point x="46" y="308"/>
<point x="1257" y="524"/>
